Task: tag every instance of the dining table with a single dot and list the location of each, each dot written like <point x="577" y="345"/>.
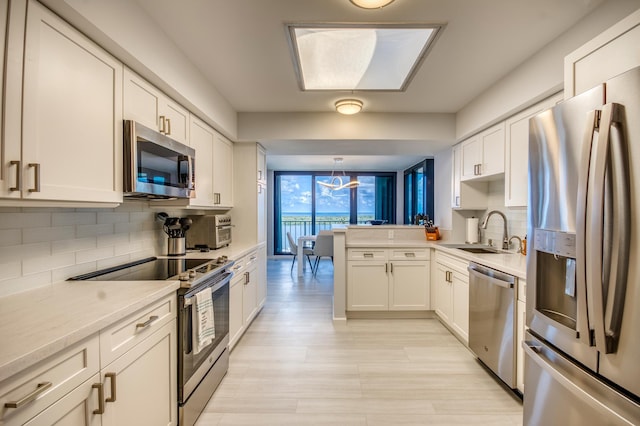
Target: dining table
<point x="302" y="240"/>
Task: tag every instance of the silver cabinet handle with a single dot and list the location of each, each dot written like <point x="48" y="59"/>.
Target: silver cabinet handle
<point x="112" y="378"/>
<point x="410" y="254"/>
<point x="18" y="186"/>
<point x="386" y="268"/>
<point x="247" y="279"/>
<point x="36" y="167"/>
<point x="367" y="255"/>
<point x="216" y="198"/>
<point x="30" y="396"/>
<point x="162" y="124"/>
<point x="168" y="127"/>
<point x="259" y="174"/>
<point x="391" y="267"/>
<point x="458" y="200"/>
<point x="100" y="409"/>
<point x="147" y="323"/>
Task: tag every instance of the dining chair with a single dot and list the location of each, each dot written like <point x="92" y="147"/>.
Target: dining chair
<point x="294" y="251"/>
<point x="322" y="248"/>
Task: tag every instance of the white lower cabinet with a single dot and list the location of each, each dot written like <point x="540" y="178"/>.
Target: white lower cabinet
<point x="235" y="309"/>
<point x="451" y="294"/>
<point x="388" y="279"/>
<point x="250" y="290"/>
<point x="78" y="386"/>
<point x="521" y="324"/>
<point x="140" y="386"/>
<point x="75" y="408"/>
<point x="247" y="292"/>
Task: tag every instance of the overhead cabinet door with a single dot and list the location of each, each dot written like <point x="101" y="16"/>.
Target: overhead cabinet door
<point x="72" y="114"/>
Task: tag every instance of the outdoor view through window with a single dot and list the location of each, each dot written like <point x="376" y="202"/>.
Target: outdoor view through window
<point x="302" y="209"/>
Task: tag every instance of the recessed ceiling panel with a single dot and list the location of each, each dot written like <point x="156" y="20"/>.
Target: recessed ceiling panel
<point x="359" y="56"/>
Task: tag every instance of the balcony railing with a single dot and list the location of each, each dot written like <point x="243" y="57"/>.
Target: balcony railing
<point x="299" y="228"/>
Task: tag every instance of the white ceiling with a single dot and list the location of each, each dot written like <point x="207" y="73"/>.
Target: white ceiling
<point x="241" y="47"/>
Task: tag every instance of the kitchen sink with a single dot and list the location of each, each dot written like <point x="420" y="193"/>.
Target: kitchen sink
<point x="478" y="250"/>
<point x="475" y="248"/>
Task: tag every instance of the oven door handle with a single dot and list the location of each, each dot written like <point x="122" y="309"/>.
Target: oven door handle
<point x="188" y="301"/>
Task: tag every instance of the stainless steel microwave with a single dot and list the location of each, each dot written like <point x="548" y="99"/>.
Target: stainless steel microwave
<point x="156" y="166"/>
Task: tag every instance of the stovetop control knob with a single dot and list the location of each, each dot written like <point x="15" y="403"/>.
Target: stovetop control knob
<point x="192" y="273"/>
<point x="184" y="276"/>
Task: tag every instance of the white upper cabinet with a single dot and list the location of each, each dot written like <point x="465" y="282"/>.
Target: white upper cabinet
<point x="222" y="171"/>
<point x="483" y="154"/>
<point x="262" y="166"/>
<point x="517" y="153"/>
<point x="611" y="53"/>
<point x="468" y="195"/>
<point x="202" y="139"/>
<point x="67" y="144"/>
<point x="146" y="104"/>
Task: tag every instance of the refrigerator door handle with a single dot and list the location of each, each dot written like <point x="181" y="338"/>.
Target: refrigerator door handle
<point x="585" y="304"/>
<point x="617" y="204"/>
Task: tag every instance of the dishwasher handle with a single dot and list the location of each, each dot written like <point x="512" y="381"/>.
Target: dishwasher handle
<point x="498" y="278"/>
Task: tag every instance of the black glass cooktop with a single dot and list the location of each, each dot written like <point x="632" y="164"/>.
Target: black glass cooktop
<point x="146" y="269"/>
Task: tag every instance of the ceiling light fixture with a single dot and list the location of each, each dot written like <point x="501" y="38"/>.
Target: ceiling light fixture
<point x="349" y="106"/>
<point x="336" y="183"/>
<point x="371" y="4"/>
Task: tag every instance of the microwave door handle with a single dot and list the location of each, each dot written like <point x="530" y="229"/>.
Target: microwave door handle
<point x="617" y="197"/>
<point x="585" y="304"/>
<point x="191" y="184"/>
<point x="187" y="179"/>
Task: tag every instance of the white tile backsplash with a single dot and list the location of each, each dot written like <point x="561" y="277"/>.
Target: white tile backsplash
<point x="41" y="246"/>
<point x="516" y="217"/>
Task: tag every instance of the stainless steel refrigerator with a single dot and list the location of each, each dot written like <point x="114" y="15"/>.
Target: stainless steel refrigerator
<point x="582" y="364"/>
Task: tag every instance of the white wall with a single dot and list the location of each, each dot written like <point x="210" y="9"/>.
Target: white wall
<point x="439" y="129"/>
<point x="41" y="246"/>
<point x="539" y="76"/>
<point x="442" y="174"/>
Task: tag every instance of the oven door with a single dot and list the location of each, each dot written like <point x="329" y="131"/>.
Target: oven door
<point x="193" y="367"/>
<point x="223" y="235"/>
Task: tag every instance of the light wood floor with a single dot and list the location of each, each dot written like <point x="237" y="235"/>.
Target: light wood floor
<point x="295" y="366"/>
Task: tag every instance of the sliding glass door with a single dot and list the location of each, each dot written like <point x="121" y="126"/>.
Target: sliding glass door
<point x="306" y="203"/>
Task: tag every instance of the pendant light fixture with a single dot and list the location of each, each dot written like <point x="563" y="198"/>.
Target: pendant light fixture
<point x="349" y="106"/>
<point x="371" y="4"/>
<point x="336" y="183"/>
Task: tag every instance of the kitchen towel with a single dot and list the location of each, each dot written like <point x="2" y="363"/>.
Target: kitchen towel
<point x="472" y="231"/>
<point x="204" y="330"/>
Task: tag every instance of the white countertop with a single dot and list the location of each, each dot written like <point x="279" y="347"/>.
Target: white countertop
<point x="510" y="263"/>
<point x="43" y="321"/>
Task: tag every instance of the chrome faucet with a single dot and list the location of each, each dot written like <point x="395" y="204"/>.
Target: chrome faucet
<point x="515" y="237"/>
<point x="505" y="237"/>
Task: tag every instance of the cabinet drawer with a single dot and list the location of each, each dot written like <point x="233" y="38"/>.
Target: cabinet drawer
<point x="251" y="259"/>
<point x="65" y="371"/>
<point x="367" y="254"/>
<point x="128" y="332"/>
<point x="452" y="262"/>
<point x="239" y="266"/>
<point x="410" y="254"/>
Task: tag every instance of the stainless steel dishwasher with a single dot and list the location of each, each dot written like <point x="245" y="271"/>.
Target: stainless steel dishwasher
<point x="492" y="317"/>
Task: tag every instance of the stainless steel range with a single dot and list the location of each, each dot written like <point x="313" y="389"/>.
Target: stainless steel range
<point x="199" y="374"/>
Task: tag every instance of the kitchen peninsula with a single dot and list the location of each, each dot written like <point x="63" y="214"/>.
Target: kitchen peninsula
<point x="392" y="271"/>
